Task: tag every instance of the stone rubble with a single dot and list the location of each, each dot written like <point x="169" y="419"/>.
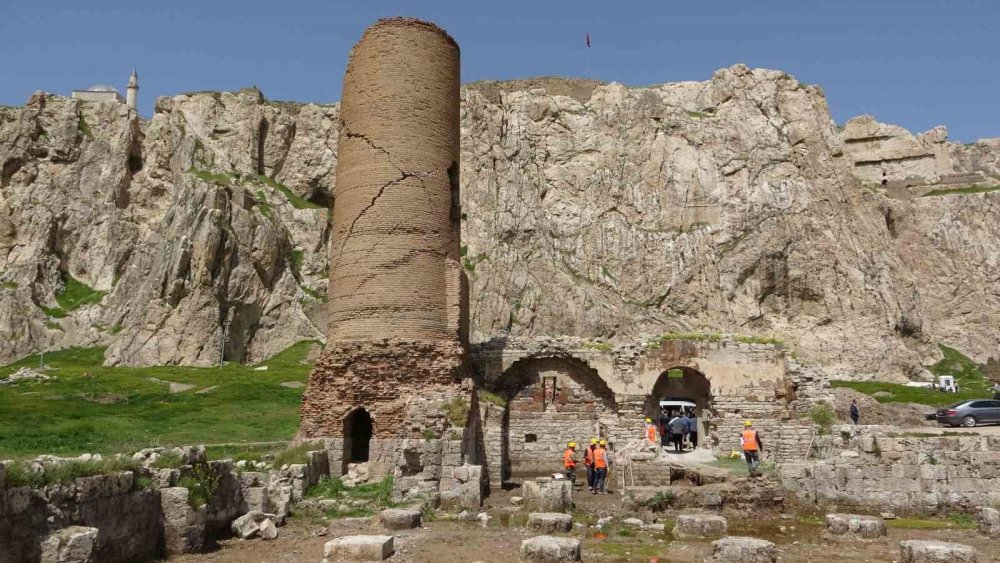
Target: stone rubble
<point x="741" y="549"/>
<point x="919" y="551"/>
<point x="359" y="548"/>
<point x="867" y="527"/>
<point x="988" y="519"/>
<point x="25" y="374"/>
<point x="700" y="525"/>
<point x="550" y="549"/>
<point x="255" y="524"/>
<point x="550" y="522"/>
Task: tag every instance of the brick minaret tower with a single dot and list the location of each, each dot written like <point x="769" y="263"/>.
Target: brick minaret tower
<point x="394" y="366"/>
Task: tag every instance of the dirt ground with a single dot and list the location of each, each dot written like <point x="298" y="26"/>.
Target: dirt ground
<point x="446" y="541"/>
<point x="874" y="412"/>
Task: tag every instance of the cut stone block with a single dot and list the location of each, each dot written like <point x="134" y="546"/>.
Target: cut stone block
<point x="550" y="522"/>
<point x="268" y="530"/>
<point x="989" y="521"/>
<point x="740" y="549"/>
<point x="548" y="495"/>
<point x="700" y="526"/>
<point x="633" y="522"/>
<point x="920" y="551"/>
<point x="359" y="548"/>
<point x="550" y="549"/>
<point x="183" y="526"/>
<point x="74" y="544"/>
<point x="868" y="527"/>
<point x="399" y="519"/>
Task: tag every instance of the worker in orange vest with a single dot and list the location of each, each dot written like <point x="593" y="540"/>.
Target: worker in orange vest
<point x="569" y="464"/>
<point x="600" y="468"/>
<point x="588" y="461"/>
<point x="649" y="430"/>
<point x="752" y="446"/>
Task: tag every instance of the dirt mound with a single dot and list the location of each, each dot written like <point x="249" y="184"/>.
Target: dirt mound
<point x="874" y="412"/>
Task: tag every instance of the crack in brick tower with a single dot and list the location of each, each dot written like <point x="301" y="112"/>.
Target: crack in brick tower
<point x="398" y="298"/>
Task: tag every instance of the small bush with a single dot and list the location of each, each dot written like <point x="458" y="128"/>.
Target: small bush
<point x="823" y="416"/>
<point x="201" y="484"/>
<point x="491" y="397"/>
<point x="328" y="487"/>
<point x="143" y="483"/>
<point x="457" y="410"/>
<point x="169" y="460"/>
<point x="429" y="434"/>
<point x="659" y="502"/>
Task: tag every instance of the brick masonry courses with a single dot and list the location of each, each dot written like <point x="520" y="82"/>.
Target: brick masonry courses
<point x="397" y="294"/>
<point x="570" y="389"/>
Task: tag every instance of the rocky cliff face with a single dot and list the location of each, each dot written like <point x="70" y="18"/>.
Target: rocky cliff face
<point x="732" y="205"/>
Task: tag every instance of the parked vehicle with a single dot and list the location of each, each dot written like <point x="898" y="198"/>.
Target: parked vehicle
<point x="970" y="413"/>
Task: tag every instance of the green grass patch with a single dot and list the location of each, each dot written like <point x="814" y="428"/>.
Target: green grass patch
<point x="697" y="114"/>
<point x="20" y="474"/>
<point x="314" y="294"/>
<point x="361" y="500"/>
<point x="973" y="189"/>
<point x="295" y="454"/>
<point x="221" y="179"/>
<point x="971" y="382"/>
<point x="84" y="128"/>
<point x="630" y="551"/>
<point x="699" y="336"/>
<point x="9" y="285"/>
<point x="254" y="454"/>
<point x="296" y="201"/>
<point x="169" y="460"/>
<point x="201" y="484"/>
<point x="298" y="257"/>
<point x="246" y="406"/>
<point x="491" y="397"/>
<point x="823" y="416"/>
<point x="602" y="345"/>
<point x="76" y="294"/>
<point x="954" y="521"/>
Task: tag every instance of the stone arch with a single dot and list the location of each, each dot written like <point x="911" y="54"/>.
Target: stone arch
<point x="680" y="382"/>
<point x="359" y="427"/>
<point x="550" y="400"/>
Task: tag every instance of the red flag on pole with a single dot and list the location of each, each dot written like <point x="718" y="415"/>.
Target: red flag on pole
<point x="588" y="40"/>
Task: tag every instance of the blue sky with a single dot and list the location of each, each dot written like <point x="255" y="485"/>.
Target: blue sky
<point x="918" y="63"/>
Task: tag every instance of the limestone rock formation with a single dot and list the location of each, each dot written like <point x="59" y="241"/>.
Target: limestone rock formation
<point x="595" y="210"/>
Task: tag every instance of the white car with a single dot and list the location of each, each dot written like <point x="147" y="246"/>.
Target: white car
<point x="673" y="404"/>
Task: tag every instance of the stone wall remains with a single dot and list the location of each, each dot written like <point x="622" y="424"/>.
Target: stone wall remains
<point x="868" y="468"/>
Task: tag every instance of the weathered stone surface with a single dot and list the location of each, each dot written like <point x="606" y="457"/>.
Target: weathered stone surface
<point x="399" y="519"/>
<point x="989" y="521"/>
<point x="868" y="527"/>
<point x="359" y="548"/>
<point x="918" y="551"/>
<point x="550" y="522"/>
<point x="547" y="495"/>
<point x="724" y="182"/>
<point x="251" y="524"/>
<point x="740" y="549"/>
<point x="633" y="522"/>
<point x="268" y="529"/>
<point x="69" y="545"/>
<point x="700" y="526"/>
<point x="183" y="526"/>
<point x="550" y="549"/>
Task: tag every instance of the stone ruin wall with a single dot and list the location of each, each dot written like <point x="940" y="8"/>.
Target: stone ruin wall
<point x="865" y="468"/>
<point x="566" y="389"/>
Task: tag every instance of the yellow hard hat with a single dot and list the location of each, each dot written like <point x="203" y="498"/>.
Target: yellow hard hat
<point x="649" y="419"/>
<point x="593" y="440"/>
<point x="571" y="444"/>
<point x="747" y="423"/>
<point x="604" y="442"/>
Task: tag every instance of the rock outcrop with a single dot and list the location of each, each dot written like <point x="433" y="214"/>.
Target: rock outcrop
<point x="595" y="210"/>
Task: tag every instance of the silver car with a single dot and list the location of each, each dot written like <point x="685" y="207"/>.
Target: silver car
<point x="970" y="413"/>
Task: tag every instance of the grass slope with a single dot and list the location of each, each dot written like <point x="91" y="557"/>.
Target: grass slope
<point x="97" y="409"/>
<point x="971" y="381"/>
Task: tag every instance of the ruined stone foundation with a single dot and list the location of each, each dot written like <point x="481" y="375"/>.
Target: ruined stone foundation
<point x="395" y="366"/>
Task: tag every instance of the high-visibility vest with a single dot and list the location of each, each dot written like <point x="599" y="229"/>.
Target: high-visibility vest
<point x="750" y="440"/>
<point x="588" y="456"/>
<point x="568" y="461"/>
<point x="651" y="433"/>
<point x="600" y="458"/>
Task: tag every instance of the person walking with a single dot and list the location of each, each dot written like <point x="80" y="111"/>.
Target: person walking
<point x="600" y="468"/>
<point x="752" y="446"/>
<point x="588" y="462"/>
<point x="664" y="421"/>
<point x="686" y="419"/>
<point x="649" y="431"/>
<point x="569" y="463"/>
<point x="855" y="411"/>
<point x="677" y="426"/>
<point x="693" y="430"/>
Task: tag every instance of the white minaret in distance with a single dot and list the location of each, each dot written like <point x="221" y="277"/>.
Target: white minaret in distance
<point x="132" y="93"/>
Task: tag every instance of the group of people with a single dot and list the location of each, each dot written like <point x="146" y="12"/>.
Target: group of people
<point x="595" y="459"/>
<point x="676" y="429"/>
